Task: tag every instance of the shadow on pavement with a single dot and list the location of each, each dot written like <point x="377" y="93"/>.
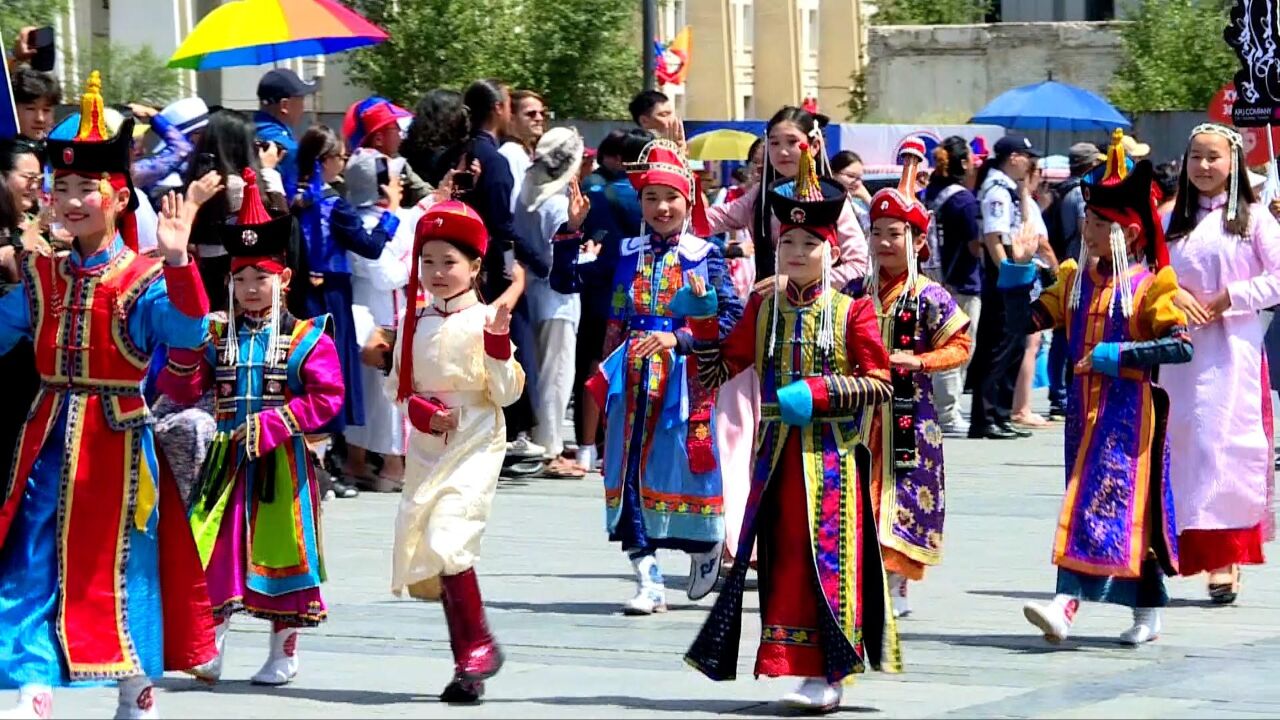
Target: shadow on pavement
<point x="353" y="697"/>
<point x="681" y="706"/>
<point x="1028" y="643"/>
<point x="580" y="608"/>
<point x="1031" y="595"/>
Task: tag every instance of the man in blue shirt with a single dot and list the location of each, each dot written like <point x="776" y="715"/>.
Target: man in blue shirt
<point x="282" y="99"/>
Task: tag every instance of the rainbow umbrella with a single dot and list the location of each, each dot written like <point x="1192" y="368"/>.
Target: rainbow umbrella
<point x="256" y="32"/>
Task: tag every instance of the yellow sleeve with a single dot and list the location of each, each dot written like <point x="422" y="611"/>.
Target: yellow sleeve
<point x="1054" y="299"/>
<point x="1158" y="313"/>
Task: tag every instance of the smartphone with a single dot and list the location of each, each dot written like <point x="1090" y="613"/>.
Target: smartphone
<point x="464" y="181"/>
<point x="205" y="164"/>
<point x="41" y="40"/>
<point x="384" y="172"/>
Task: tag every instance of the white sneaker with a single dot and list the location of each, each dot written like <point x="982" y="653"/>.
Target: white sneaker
<point x="898" y="595"/>
<point x="136" y="700"/>
<point x="814" y="695"/>
<point x="282" y="664"/>
<point x="1054" y="619"/>
<point x="523" y="447"/>
<point x="1146" y="627"/>
<point x="211" y="672"/>
<point x="704" y="569"/>
<point x="35" y="702"/>
<point x="651" y="594"/>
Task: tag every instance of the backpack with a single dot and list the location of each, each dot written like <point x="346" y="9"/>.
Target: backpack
<point x="1058" y="239"/>
<point x="932" y="267"/>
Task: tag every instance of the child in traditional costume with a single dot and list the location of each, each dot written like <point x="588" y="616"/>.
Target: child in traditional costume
<point x="453" y="373"/>
<point x="925" y="332"/>
<point x="1225" y="247"/>
<point x="661" y="470"/>
<point x="1116" y="534"/>
<point x="821" y="364"/>
<point x="255" y="511"/>
<point x="99" y="579"/>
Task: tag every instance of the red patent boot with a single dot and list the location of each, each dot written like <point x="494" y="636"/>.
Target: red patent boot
<point x="478" y="656"/>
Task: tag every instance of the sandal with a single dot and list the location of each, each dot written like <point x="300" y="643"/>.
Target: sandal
<point x="1225" y="593"/>
<point x="565" y="469"/>
<point x="1031" y="420"/>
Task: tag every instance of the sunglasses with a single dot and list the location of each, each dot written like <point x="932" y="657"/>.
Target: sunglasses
<point x="535" y="113"/>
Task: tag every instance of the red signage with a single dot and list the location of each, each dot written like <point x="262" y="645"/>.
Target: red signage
<point x="1255" y="138"/>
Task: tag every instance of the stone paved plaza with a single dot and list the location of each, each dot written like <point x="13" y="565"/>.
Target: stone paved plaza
<point x="554" y="585"/>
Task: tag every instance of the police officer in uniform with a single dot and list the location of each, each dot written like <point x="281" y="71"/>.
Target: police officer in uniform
<point x="993" y="372"/>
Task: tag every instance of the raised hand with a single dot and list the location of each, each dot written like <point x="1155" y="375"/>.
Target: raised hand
<point x="394" y="192"/>
<point x="1025" y="244"/>
<point x="500" y="323"/>
<point x="202" y="189"/>
<point x="579" y="206"/>
<point x="173" y="231"/>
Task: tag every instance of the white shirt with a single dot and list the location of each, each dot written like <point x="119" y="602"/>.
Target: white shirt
<point x="519" y="161"/>
<point x="1000" y="213"/>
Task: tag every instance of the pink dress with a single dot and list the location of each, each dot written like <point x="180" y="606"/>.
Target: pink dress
<point x="1220" y="467"/>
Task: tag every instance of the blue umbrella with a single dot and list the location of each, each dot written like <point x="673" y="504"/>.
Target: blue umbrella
<point x="1051" y="105"/>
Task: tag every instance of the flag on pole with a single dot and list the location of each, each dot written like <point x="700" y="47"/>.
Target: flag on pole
<point x="8" y="108"/>
<point x="673" y="58"/>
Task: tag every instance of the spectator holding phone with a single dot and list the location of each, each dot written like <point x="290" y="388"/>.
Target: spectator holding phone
<point x="282" y="99"/>
<point x="374" y="123"/>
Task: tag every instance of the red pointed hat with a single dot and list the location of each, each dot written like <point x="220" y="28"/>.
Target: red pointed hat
<point x="256" y="239"/>
<point x="901" y="203"/>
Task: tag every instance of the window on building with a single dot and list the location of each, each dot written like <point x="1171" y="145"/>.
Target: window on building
<point x="747" y="26"/>
<point x="1100" y="9"/>
<point x="746" y="107"/>
<point x="811" y="21"/>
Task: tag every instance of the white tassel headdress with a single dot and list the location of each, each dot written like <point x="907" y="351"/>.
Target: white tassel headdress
<point x="1236" y="141"/>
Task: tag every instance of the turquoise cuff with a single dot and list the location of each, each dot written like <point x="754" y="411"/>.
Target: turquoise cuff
<point x="687" y="305"/>
<point x="1016" y="275"/>
<point x="795" y="402"/>
<point x="1106" y="358"/>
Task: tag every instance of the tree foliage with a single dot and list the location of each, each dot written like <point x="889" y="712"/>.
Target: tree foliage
<point x="930" y="12"/>
<point x="1174" y="56"/>
<point x="130" y="74"/>
<point x="17" y="14"/>
<point x="582" y="55"/>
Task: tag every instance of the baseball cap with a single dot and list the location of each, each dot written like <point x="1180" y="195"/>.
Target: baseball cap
<point x="1016" y="142"/>
<point x="369" y="116"/>
<point x="1084" y="155"/>
<point x="282" y="83"/>
<point x="1135" y="149"/>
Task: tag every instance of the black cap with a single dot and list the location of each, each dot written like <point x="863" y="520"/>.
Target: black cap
<point x="282" y="83"/>
<point x="272" y="239"/>
<point x="89" y="157"/>
<point x="790" y="210"/>
<point x="1016" y="142"/>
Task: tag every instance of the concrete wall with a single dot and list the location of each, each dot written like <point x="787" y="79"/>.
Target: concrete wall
<point x="946" y="73"/>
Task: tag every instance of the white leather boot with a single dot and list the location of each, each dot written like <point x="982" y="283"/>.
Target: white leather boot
<point x="136" y="699"/>
<point x="651" y="593"/>
<point x="1055" y="618"/>
<point x="898" y="595"/>
<point x="814" y="695"/>
<point x="34" y="701"/>
<point x="1146" y="626"/>
<point x="282" y="664"/>
<point x="211" y="671"/>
